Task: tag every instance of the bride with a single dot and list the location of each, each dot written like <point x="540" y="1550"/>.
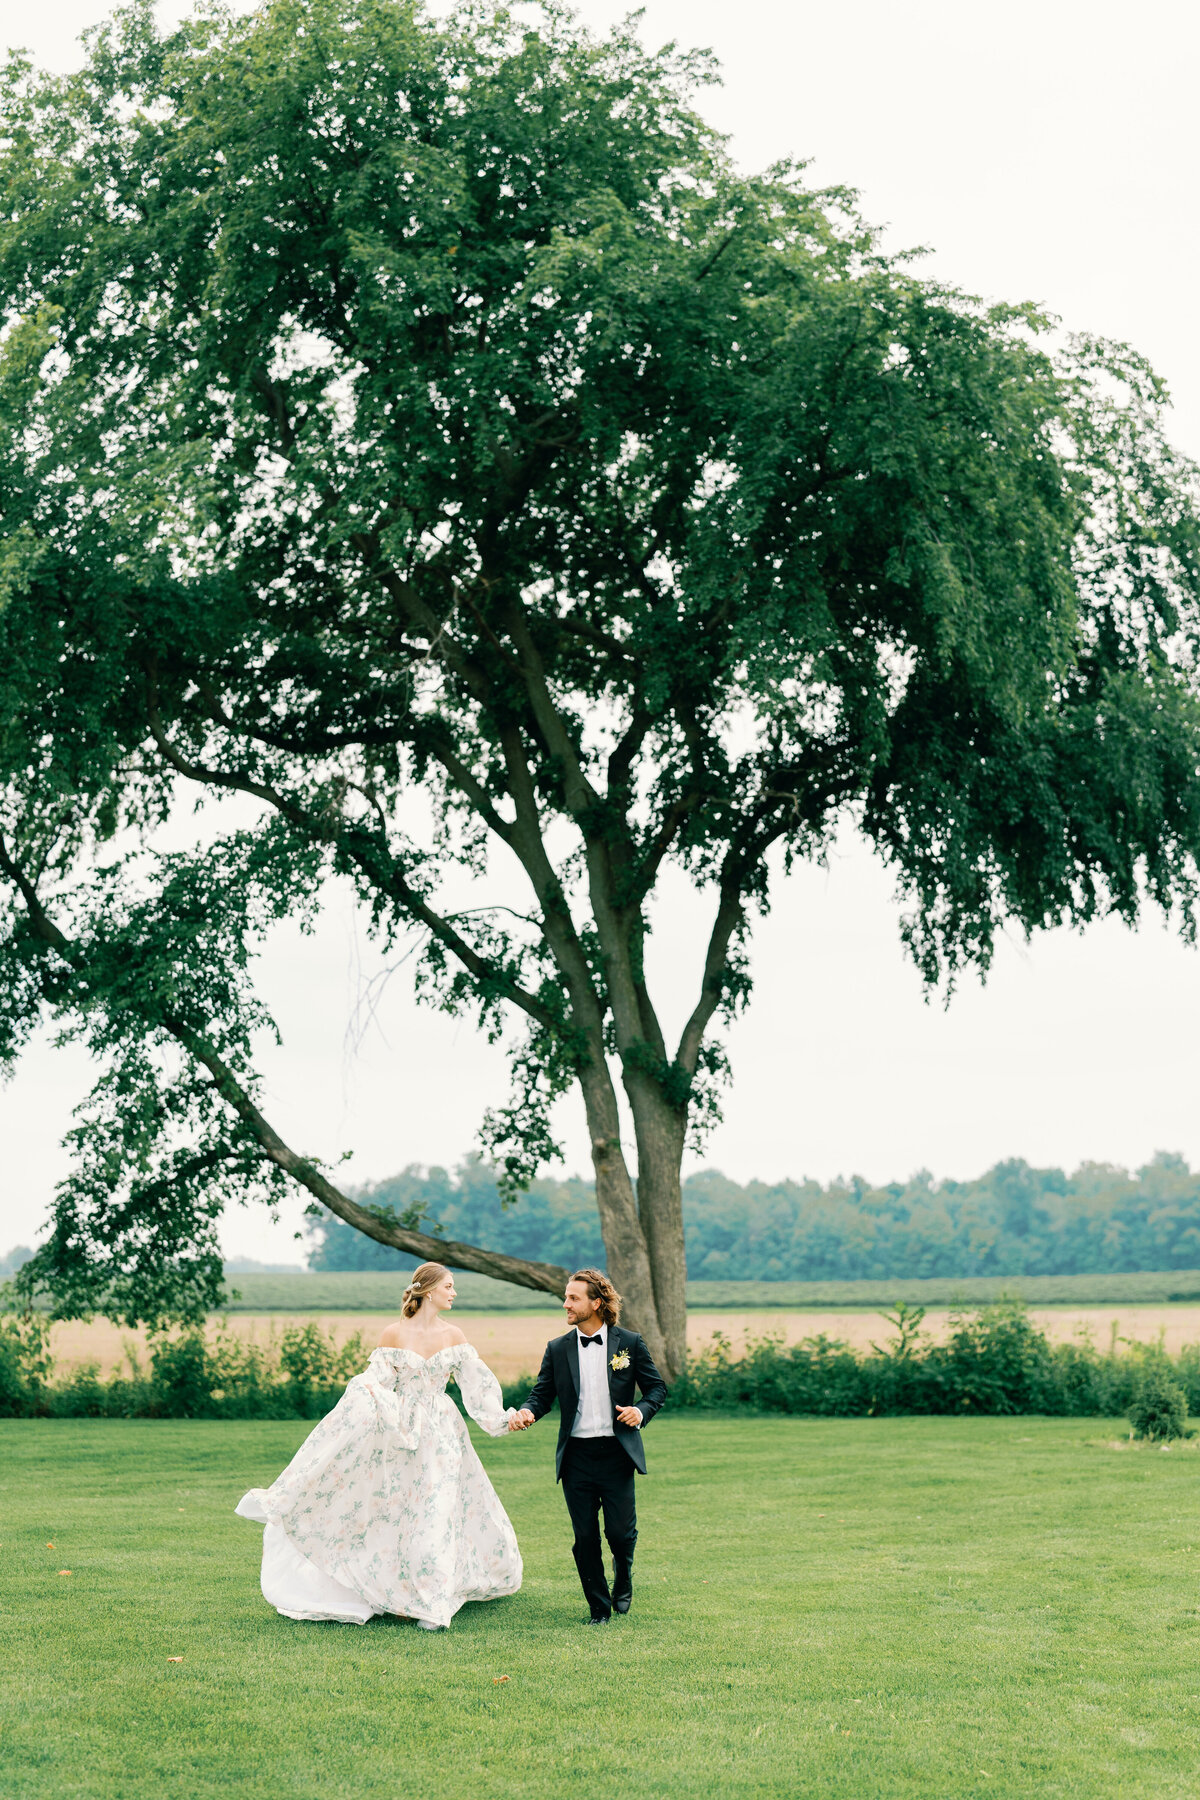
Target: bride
<point x="385" y="1507"/>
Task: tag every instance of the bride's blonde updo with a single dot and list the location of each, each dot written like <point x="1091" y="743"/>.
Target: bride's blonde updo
<point x="424" y="1280"/>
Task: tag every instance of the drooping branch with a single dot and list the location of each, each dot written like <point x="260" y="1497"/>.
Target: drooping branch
<point x="543" y="1277"/>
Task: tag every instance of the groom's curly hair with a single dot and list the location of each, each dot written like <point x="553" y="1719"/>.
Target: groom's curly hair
<point x="602" y="1291"/>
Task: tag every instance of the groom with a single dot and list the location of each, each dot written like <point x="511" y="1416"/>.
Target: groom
<point x="592" y="1372"/>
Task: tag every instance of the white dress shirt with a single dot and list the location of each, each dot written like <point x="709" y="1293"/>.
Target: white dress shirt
<point x="594" y="1416"/>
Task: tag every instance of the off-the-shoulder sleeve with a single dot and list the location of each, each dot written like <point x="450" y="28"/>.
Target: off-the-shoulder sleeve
<point x="395" y="1407"/>
<point x="481" y="1393"/>
<point x="381" y="1371"/>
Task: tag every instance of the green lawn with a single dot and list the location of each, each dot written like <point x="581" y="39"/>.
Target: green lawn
<point x="901" y="1607"/>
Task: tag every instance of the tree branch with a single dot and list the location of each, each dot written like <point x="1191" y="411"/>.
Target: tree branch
<point x="474" y="790"/>
<point x="712" y="985"/>
<point x="579" y="792"/>
<point x="42" y="924"/>
<point x="558" y="925"/>
<point x="544" y="1277"/>
<point x="741" y="859"/>
<point x="711" y="262"/>
<point x="625" y="751"/>
<point x="395" y="884"/>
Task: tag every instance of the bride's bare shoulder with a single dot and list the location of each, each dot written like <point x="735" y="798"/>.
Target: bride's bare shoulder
<point x="455" y="1335"/>
<point x="392" y="1336"/>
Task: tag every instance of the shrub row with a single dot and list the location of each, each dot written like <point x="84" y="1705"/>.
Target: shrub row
<point x="190" y="1374"/>
<point x="994" y="1360"/>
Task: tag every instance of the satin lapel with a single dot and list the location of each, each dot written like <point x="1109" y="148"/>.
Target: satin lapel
<point x="572" y="1355"/>
<point x="611" y="1350"/>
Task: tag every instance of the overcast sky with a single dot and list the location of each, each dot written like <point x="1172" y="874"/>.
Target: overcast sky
<point x="1046" y="152"/>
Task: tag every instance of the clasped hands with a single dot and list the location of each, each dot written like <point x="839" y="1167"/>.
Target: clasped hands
<point x="522" y="1420"/>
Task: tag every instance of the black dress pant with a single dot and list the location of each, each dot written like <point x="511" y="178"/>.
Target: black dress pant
<point x="597" y="1474"/>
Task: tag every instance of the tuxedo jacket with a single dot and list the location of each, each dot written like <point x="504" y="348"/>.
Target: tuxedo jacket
<point x="558" y="1379"/>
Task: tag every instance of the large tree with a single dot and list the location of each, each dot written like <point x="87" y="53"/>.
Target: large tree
<point x="397" y="410"/>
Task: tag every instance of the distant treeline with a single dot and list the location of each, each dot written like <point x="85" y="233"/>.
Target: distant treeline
<point x="1015" y="1220"/>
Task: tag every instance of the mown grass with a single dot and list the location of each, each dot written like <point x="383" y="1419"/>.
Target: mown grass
<point x="826" y="1608"/>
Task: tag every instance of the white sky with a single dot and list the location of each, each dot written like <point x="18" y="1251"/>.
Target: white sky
<point x="1045" y="151"/>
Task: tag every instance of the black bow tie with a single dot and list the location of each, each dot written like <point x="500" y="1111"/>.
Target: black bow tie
<point x="591" y="1340"/>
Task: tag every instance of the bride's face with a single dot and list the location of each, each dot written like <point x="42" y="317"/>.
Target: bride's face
<point x="443" y="1296"/>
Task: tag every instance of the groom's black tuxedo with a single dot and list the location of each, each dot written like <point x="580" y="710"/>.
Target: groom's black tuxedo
<point x="597" y="1473"/>
<point x="558" y="1379"/>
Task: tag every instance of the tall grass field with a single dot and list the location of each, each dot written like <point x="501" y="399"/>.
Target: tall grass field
<point x="871" y="1608"/>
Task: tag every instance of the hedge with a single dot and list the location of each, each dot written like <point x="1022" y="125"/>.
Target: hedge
<point x="993" y="1360"/>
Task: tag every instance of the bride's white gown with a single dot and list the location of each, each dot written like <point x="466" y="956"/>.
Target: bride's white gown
<point x="385" y="1507"/>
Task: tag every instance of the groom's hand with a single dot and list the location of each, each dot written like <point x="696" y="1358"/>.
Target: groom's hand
<point x="522" y="1420"/>
<point x="629" y="1415"/>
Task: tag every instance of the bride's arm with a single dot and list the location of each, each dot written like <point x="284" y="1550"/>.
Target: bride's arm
<point x="481" y="1394"/>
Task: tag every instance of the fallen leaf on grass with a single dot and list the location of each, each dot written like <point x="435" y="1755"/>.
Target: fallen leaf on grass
<point x="180" y="1659"/>
<point x="49" y="1546"/>
<point x="496" y="1679"/>
<point x="64" y="1571"/>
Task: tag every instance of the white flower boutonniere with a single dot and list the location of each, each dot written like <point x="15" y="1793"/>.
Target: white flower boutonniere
<point x="619" y="1361"/>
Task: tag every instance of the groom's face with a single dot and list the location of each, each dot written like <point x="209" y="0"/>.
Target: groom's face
<point x="578" y="1303"/>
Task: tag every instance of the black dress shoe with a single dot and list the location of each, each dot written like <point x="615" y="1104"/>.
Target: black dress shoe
<point x="622" y="1602"/>
<point x="597" y="1619"/>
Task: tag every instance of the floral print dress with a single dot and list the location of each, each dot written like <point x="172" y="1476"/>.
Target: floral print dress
<point x="385" y="1507"/>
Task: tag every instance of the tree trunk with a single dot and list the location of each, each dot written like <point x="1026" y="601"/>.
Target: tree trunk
<point x="660" y="1130"/>
<point x="624" y="1240"/>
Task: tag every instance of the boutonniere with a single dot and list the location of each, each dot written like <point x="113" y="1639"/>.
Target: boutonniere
<point x="619" y="1361"/>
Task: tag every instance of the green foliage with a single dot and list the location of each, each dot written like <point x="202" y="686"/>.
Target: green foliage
<point x="1159" y="1408"/>
<point x="553" y="1221"/>
<point x="1013" y="1220"/>
<point x="300" y="1373"/>
<point x="417" y="430"/>
<point x="993" y="1361"/>
<point x="25" y="1359"/>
